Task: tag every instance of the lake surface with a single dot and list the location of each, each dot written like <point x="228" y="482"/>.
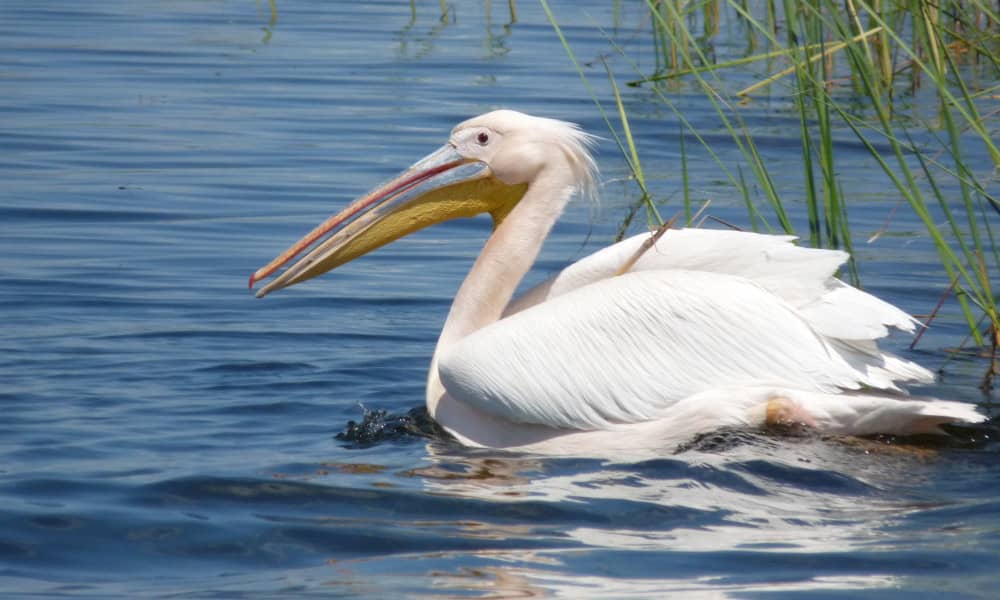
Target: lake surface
<point x="164" y="434"/>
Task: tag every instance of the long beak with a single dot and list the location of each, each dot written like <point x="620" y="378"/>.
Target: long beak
<point x="439" y="187"/>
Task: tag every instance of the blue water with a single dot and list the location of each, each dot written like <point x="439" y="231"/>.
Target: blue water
<point x="164" y="434"/>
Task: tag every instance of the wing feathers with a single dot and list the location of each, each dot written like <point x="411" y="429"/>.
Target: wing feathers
<point x="625" y="349"/>
<point x="702" y="310"/>
<point x="803" y="277"/>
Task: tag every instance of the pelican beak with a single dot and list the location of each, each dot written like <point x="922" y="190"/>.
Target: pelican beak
<point x="442" y="186"/>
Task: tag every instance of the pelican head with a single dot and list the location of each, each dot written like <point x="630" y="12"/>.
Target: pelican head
<point x="486" y="167"/>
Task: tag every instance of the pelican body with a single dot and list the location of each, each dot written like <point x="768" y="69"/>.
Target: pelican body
<point x="706" y="329"/>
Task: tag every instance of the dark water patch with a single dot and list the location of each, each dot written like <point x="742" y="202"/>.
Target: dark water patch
<point x="252" y="497"/>
<point x="240" y="334"/>
<point x="276" y="409"/>
<point x="58" y="488"/>
<point x="813" y="479"/>
<point x="322" y="387"/>
<point x="56" y="522"/>
<point x="89" y="285"/>
<point x="14" y="551"/>
<point x="273" y="367"/>
<point x="697" y="475"/>
<point x="956" y="518"/>
<point x="47" y="450"/>
<point x="776" y="567"/>
<point x="12" y="215"/>
<point x="36" y="143"/>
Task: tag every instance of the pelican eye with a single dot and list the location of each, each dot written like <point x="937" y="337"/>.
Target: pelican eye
<point x="483" y="138"/>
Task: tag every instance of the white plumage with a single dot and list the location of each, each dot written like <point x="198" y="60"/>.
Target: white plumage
<point x="626" y="349"/>
<point x="707" y="329"/>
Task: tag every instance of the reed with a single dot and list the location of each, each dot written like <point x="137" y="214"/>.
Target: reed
<point x="855" y="68"/>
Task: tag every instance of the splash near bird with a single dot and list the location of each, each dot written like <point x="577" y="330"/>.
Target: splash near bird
<point x="707" y="329"/>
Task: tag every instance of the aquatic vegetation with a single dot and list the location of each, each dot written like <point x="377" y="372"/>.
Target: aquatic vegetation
<point x="915" y="83"/>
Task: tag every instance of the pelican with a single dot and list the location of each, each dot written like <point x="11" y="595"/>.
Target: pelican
<point x="705" y="329"/>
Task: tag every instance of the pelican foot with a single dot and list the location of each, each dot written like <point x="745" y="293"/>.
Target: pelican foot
<point x="783" y="413"/>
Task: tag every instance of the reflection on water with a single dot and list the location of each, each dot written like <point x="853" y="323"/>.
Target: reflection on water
<point x="696" y="522"/>
<point x="416" y="39"/>
<point x="496" y="43"/>
<point x="522" y="582"/>
<point x="414" y="34"/>
<point x="272" y="6"/>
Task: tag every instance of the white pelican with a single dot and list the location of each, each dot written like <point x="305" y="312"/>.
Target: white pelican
<point x="707" y="329"/>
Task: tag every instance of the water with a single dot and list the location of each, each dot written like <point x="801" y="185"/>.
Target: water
<point x="165" y="434"/>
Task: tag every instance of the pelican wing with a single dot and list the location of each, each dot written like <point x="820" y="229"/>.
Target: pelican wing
<point x="625" y="349"/>
<point x="804" y="277"/>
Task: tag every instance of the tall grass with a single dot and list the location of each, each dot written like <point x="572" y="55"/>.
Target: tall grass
<point x="849" y="67"/>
